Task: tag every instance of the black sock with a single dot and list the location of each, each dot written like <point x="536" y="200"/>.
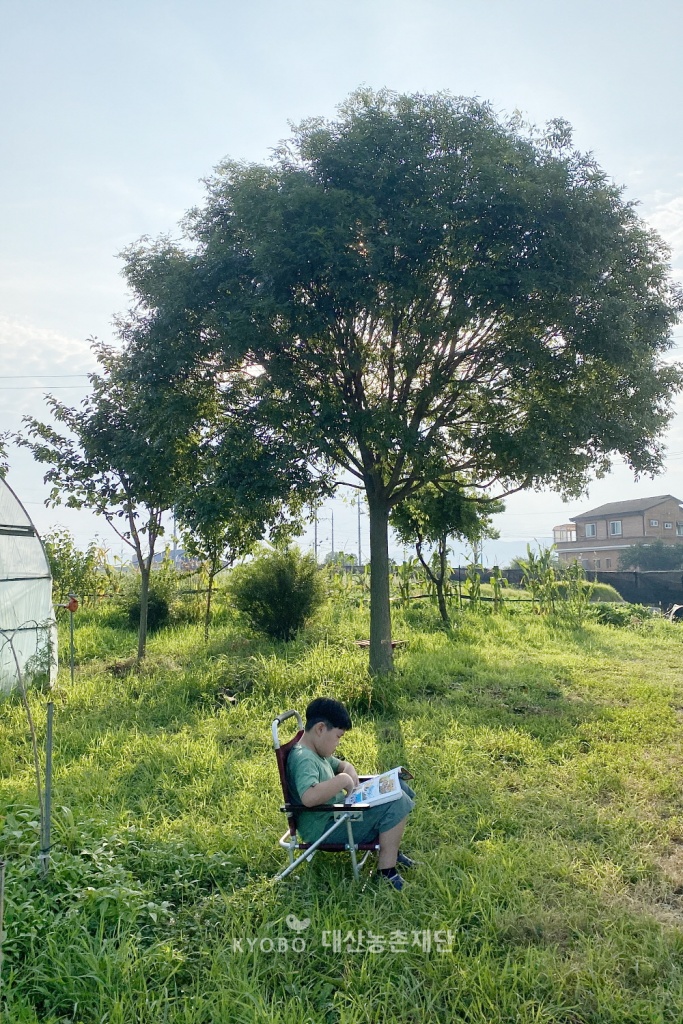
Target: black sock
<point x="389" y="872"/>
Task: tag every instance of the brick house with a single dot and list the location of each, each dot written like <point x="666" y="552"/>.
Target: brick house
<point x="596" y="538"/>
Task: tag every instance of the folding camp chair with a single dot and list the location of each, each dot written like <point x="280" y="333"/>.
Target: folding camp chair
<point x="342" y="814"/>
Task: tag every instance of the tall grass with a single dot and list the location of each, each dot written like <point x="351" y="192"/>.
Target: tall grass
<point x="549" y="827"/>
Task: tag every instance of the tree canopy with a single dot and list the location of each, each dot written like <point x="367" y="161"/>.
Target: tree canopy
<point x="416" y="291"/>
<point x="241" y="487"/>
<point x="652" y="557"/>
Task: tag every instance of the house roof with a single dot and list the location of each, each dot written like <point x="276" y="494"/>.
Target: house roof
<point x="626" y="507"/>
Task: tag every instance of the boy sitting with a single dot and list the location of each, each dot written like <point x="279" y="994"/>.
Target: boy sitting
<point x="315" y="776"/>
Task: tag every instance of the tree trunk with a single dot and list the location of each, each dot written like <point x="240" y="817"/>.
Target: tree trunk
<point x="381" y="655"/>
<point x="438" y="581"/>
<point x="443" y="611"/>
<point x="144" y="603"/>
<point x="443" y="568"/>
<point x="207" y="617"/>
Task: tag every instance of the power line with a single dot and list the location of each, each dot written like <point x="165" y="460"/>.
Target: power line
<point x="39" y="387"/>
<point x="32" y="376"/>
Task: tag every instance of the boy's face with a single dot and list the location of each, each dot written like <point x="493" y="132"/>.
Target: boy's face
<point x="326" y="740"/>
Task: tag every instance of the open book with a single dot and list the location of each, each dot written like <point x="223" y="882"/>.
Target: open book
<point x="378" y="789"/>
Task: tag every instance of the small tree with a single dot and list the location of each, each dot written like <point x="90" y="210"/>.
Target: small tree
<point x="123" y="456"/>
<point x="433" y="515"/>
<point x="243" y="485"/>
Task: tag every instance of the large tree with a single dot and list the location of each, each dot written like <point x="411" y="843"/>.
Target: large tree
<point x="419" y="291"/>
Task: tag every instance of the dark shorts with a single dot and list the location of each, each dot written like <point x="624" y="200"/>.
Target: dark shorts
<point x="382" y="818"/>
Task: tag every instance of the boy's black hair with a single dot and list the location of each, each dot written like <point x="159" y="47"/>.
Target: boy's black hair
<point x="331" y="712"/>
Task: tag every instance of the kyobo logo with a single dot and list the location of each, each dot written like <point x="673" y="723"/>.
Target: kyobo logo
<point x="293" y="922"/>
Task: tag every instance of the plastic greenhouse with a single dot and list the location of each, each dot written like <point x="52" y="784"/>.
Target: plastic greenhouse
<point x="28" y="631"/>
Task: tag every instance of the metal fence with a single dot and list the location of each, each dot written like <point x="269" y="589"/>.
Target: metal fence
<point x="650" y="588"/>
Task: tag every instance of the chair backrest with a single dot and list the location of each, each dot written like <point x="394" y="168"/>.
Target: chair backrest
<point x="281" y="755"/>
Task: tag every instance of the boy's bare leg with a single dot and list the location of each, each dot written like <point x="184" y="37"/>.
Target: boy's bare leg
<point x="388" y="845"/>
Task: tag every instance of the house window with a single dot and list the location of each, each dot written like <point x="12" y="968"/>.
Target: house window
<point x="591" y="530"/>
<point x="668" y="526"/>
<point x="679" y="529"/>
<point x="597" y="563"/>
<point x="654" y="522"/>
<point x="615" y="528"/>
<point x="608" y="563"/>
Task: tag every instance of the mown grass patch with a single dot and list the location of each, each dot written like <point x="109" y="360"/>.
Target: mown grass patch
<point x="549" y="827"/>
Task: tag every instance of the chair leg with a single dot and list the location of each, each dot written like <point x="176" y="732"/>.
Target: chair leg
<point x="314" y="846"/>
<point x="352" y="850"/>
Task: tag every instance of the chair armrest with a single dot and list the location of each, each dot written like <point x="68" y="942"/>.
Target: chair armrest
<point x="297" y="808"/>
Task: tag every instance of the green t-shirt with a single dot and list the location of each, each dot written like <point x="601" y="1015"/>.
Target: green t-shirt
<point x="305" y="768"/>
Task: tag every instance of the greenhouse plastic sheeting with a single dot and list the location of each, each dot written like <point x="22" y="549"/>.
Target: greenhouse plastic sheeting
<point x="27" y="623"/>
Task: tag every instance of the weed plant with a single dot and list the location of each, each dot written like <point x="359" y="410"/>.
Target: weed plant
<point x="549" y="826"/>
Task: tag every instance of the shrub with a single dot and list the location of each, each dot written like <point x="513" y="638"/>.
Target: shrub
<point x="279" y="591"/>
<point x="605" y="592"/>
<point x="597" y="591"/>
<point x="610" y="614"/>
<point x="163" y="584"/>
<point x="72" y="570"/>
<point x="158" y="611"/>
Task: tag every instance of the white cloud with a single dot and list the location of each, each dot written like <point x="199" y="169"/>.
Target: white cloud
<point x="36" y="360"/>
<point x="666" y="217"/>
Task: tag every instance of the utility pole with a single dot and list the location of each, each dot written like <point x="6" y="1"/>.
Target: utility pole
<point x="332" y="515"/>
<point x="360" y="557"/>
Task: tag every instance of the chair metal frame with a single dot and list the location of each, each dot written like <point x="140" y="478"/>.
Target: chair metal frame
<point x="342" y="814"/>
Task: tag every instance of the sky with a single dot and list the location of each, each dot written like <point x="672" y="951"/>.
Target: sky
<point x="113" y="113"/>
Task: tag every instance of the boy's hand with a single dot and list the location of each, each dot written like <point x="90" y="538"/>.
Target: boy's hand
<point x="345" y="781"/>
<point x="347" y="769"/>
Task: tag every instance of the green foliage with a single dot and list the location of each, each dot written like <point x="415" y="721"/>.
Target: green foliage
<point x="434" y="514"/>
<point x="404" y="577"/>
<point x="498" y="584"/>
<point x="430" y="292"/>
<point x="340" y="558"/>
<point x="279" y="591"/>
<point x="652" y="557"/>
<point x="163" y="586"/>
<point x="124" y="452"/>
<point x="539" y="576"/>
<point x="74" y="571"/>
<point x="623" y="614"/>
<point x="473" y="578"/>
<point x="604" y="592"/>
<point x="577" y="593"/>
<point x="243" y="484"/>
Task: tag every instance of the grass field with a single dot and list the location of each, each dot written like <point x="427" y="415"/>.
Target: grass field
<point x="549" y="827"/>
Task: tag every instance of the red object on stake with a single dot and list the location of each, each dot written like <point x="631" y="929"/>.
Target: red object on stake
<point x="72" y="606"/>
